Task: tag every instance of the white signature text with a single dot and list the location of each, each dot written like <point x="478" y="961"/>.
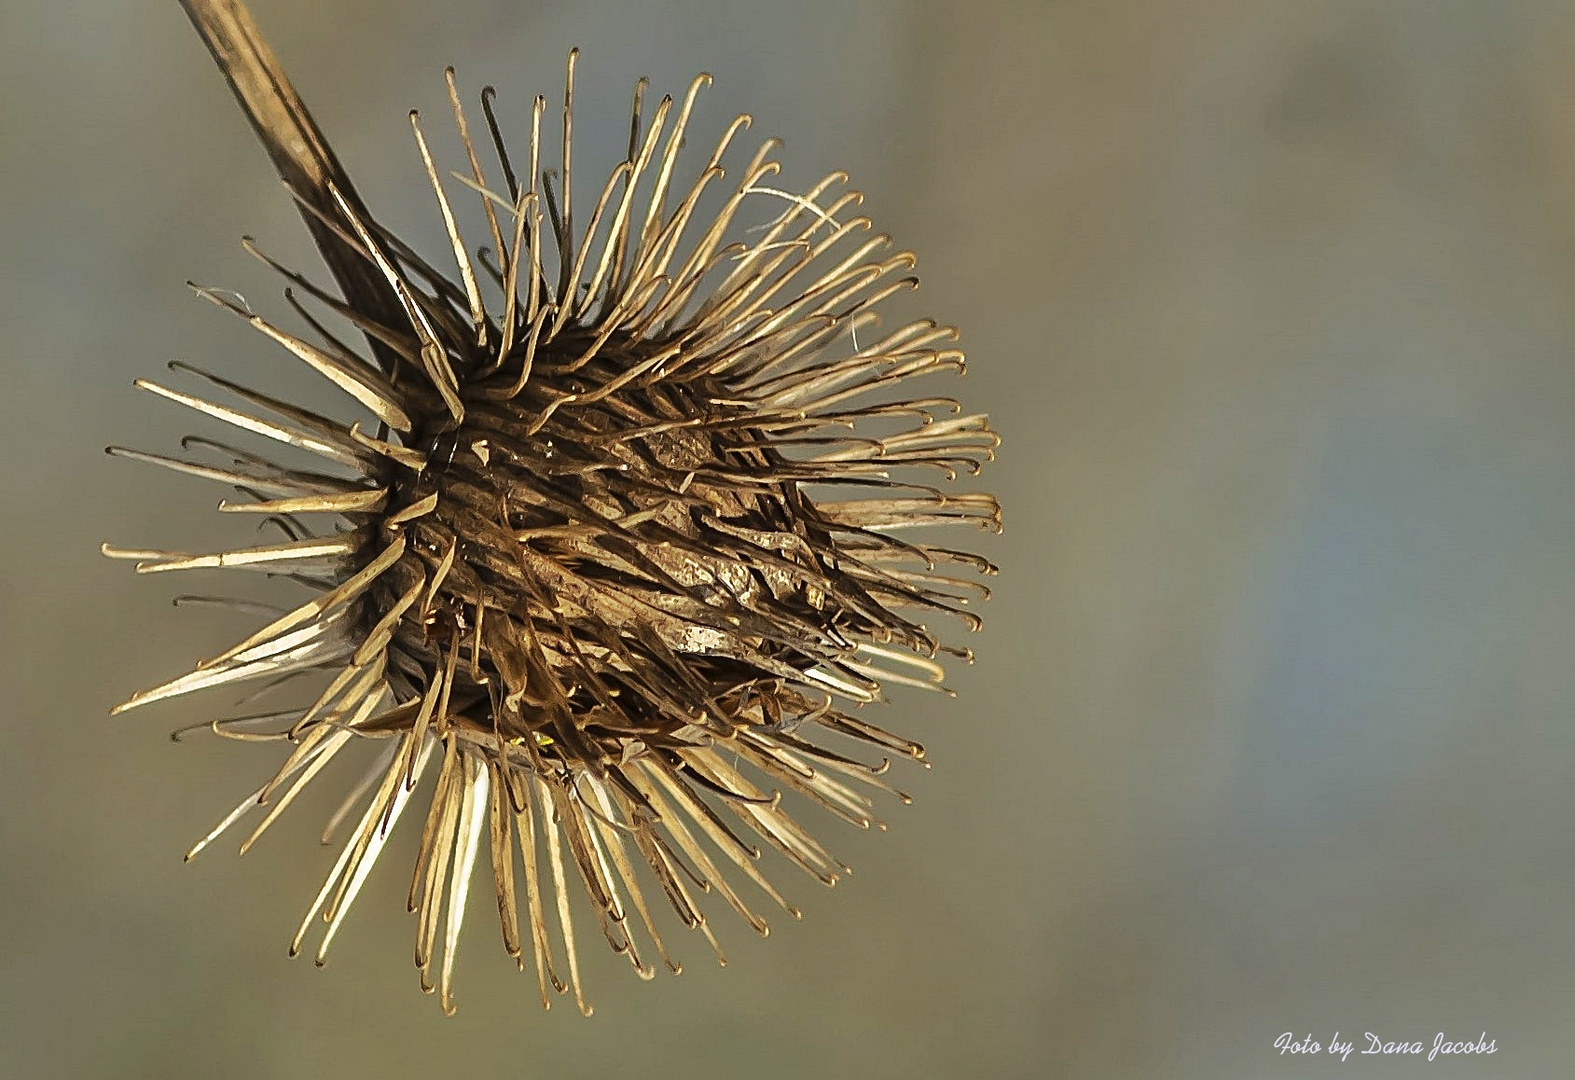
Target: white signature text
<point x="1442" y="1046"/>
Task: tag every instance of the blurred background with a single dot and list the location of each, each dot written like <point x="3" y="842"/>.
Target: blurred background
<point x="1274" y="305"/>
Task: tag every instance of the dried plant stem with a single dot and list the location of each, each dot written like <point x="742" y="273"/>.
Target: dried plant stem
<point x="297" y="148"/>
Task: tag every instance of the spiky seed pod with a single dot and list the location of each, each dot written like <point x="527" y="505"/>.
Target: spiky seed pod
<point x="609" y="554"/>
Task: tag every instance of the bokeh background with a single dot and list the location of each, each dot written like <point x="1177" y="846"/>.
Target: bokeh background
<point x="1271" y="729"/>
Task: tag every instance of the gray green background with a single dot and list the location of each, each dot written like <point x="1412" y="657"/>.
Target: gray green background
<point x="1274" y="305"/>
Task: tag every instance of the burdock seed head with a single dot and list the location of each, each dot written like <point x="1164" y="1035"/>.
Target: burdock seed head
<point x="616" y="541"/>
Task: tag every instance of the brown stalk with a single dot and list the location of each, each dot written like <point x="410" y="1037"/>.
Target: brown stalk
<point x="297" y="148"/>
